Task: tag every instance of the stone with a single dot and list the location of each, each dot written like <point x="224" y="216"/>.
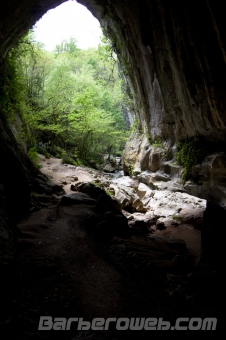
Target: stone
<point x="146" y="178"/>
<point x="91" y="189"/>
<point x="78" y="198"/>
<point x="127" y="198"/>
<point x="193" y="216"/>
<point x="155" y="157"/>
<point x="42" y="185"/>
<point x="137" y="171"/>
<point x="165" y="202"/>
<point x="109" y="168"/>
<point x="142" y="190"/>
<point x="141" y="225"/>
<point x="106" y="203"/>
<point x="160" y="225"/>
<point x="171" y="169"/>
<point x="213" y="168"/>
<point x="158" y="176"/>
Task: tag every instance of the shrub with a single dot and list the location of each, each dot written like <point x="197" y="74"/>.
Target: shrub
<point x="100" y="185"/>
<point x="32" y="154"/>
<point x="52" y="150"/>
<point x="118" y="154"/>
<point x="68" y="160"/>
<point x="189" y="153"/>
<point x="41" y="150"/>
<point x="157" y="144"/>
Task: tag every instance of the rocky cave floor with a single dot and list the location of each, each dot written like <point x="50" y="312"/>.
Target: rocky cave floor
<point x="69" y="269"/>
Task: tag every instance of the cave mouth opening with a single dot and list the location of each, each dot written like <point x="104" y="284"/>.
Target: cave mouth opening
<point x="74" y="103"/>
<point x="70" y="19"/>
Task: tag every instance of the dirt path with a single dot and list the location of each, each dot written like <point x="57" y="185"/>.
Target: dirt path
<point x="65" y="272"/>
<point x="64" y="174"/>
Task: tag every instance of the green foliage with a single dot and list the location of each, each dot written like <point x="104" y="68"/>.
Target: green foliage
<point x="136" y="127"/>
<point x="130" y="169"/>
<point x="109" y="192"/>
<point x="100" y="185"/>
<point x="189" y="153"/>
<point x="69" y="47"/>
<point x="41" y="150"/>
<point x="118" y="153"/>
<point x="66" y="159"/>
<point x="32" y="154"/>
<point x="72" y="98"/>
<point x="157" y="144"/>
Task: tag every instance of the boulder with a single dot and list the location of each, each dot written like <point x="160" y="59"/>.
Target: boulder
<point x="78" y="198"/>
<point x="145" y="155"/>
<point x="91" y="189"/>
<point x="128" y="198"/>
<point x="138" y="227"/>
<point x="160" y="225"/>
<point x="207" y="179"/>
<point x="155" y="158"/>
<point x="213" y="168"/>
<point x="73" y="188"/>
<point x="146" y="178"/>
<point x="109" y="168"/>
<point x="142" y="190"/>
<point x="171" y="169"/>
<point x="166" y="203"/>
<point x="106" y="203"/>
<point x="42" y="185"/>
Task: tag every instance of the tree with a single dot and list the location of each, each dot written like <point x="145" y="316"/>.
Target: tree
<point x="69" y="47"/>
<point x="72" y="98"/>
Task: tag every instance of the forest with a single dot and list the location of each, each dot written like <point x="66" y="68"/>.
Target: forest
<point x="67" y="103"/>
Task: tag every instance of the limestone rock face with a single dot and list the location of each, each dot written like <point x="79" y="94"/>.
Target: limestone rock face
<point x="212" y="168"/>
<point x="175" y="52"/>
<point x="135" y="144"/>
<point x="172" y="63"/>
<point x="208" y="179"/>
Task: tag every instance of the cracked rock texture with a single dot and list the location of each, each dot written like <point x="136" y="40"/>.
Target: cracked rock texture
<point x="173" y="53"/>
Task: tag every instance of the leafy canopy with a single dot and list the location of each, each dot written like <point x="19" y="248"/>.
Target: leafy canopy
<point x="70" y="97"/>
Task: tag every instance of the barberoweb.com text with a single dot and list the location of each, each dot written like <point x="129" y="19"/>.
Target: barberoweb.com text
<point x="49" y="323"/>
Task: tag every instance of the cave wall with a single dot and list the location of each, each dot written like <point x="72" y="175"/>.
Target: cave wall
<point x="16" y="17"/>
<point x="173" y="53"/>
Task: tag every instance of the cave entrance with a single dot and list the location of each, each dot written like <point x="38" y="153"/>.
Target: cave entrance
<point x="75" y="102"/>
<point x="70" y="19"/>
